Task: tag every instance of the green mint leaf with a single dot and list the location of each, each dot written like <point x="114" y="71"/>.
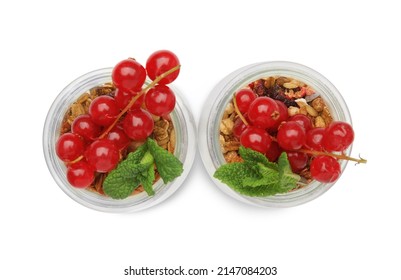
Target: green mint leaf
<point x="250" y="155"/>
<point x="233" y="174"/>
<point x="120" y="184"/>
<point x="136" y="157"/>
<point x="147" y="158"/>
<point x="138" y="169"/>
<point x="147" y="181"/>
<point x="267" y="176"/>
<point x="129" y="174"/>
<point x="256" y="176"/>
<point x="288" y="179"/>
<point x="147" y="177"/>
<point x="260" y="191"/>
<point x="284" y="164"/>
<point x="236" y="175"/>
<point x="168" y="166"/>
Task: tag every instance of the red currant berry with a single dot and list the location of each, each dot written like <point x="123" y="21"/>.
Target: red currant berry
<point x="283" y="111"/>
<point x="138" y="124"/>
<point x="160" y="62"/>
<point x="128" y="75"/>
<point x="69" y="147"/>
<point x="244" y="98"/>
<point x="103" y="110"/>
<point x="80" y="174"/>
<point x="238" y="128"/>
<point x="118" y="137"/>
<point x="273" y="152"/>
<point x="256" y="139"/>
<point x="325" y="169"/>
<point x="298" y="161"/>
<point x="103" y="155"/>
<point x="160" y="100"/>
<point x="291" y="136"/>
<point x="123" y="98"/>
<point x="314" y="138"/>
<point x="263" y="112"/>
<point x="303" y="120"/>
<point x="84" y="126"/>
<point x="339" y="136"/>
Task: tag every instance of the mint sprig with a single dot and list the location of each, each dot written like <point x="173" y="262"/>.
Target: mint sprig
<point x="139" y="169"/>
<point x="256" y="176"/>
<point x="168" y="166"/>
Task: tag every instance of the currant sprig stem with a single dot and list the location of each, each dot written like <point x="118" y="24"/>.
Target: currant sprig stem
<point x="134" y="99"/>
<point x="239" y="112"/>
<point x="76" y="160"/>
<point x="338" y="156"/>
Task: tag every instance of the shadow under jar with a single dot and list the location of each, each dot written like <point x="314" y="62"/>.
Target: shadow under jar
<point x="222" y="95"/>
<point x="184" y="149"/>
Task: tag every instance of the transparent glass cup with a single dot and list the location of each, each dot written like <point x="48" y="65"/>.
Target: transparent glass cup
<point x="221" y="95"/>
<point x="185" y="150"/>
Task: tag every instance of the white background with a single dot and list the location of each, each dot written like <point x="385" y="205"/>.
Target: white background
<point x="351" y="232"/>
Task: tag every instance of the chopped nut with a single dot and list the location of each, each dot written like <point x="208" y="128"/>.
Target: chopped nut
<point x="292" y="110"/>
<point x="65" y="127"/>
<point x="76" y="110"/>
<point x="290" y="85"/>
<point x="290" y="93"/>
<point x="269" y="82"/>
<point x="318" y="104"/>
<point x="232" y="146"/>
<point x="230" y="137"/>
<point x="303" y="111"/>
<point x="309" y="91"/>
<point x="319" y="122"/>
<point x="299" y="93"/>
<point x="311" y="111"/>
<point x="105" y="89"/>
<point x="86" y="105"/>
<point x="233" y="116"/>
<point x="226" y="126"/>
<point x="163" y="142"/>
<point x="281" y="80"/>
<point x="222" y="143"/>
<point x="160" y="132"/>
<point x="155" y="118"/>
<point x="326" y="115"/>
<point x="161" y="135"/>
<point x="298" y="83"/>
<point x="171" y="143"/>
<point x="84" y="97"/>
<point x="162" y="123"/>
<point x="233" y="157"/>
<point x="229" y="108"/>
<point x="301" y="102"/>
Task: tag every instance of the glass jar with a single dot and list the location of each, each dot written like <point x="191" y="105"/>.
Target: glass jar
<point x="221" y="95"/>
<point x="185" y="148"/>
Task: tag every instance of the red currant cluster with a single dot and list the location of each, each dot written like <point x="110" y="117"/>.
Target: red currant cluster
<point x="97" y="138"/>
<point x="265" y="126"/>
